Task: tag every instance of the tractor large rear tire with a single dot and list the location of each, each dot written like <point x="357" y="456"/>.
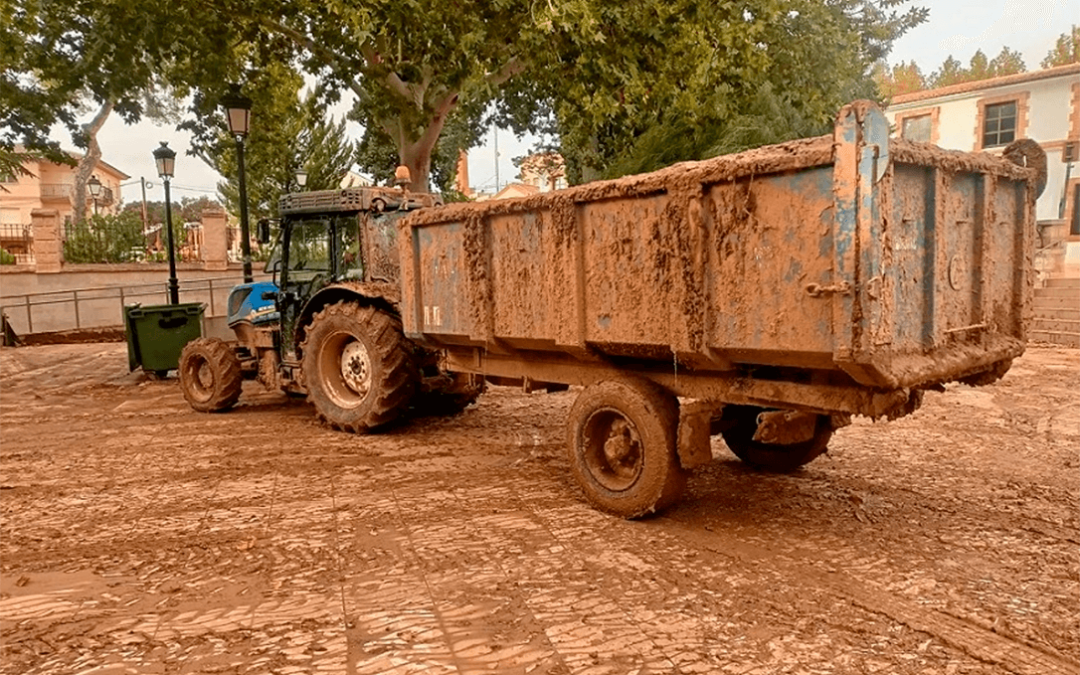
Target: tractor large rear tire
<point x="210" y="375"/>
<point x="622" y="447"/>
<point x="771" y="457"/>
<point x="358" y="367"/>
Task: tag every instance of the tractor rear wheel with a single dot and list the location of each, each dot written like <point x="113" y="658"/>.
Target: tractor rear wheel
<point x="358" y="367"/>
<point x="210" y="375"/>
<point x="622" y="447"/>
<point x="739" y="433"/>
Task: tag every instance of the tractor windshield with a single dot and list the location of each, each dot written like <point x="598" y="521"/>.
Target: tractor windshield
<point x="307" y="249"/>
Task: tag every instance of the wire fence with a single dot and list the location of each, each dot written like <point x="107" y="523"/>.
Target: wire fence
<point x="103" y="307"/>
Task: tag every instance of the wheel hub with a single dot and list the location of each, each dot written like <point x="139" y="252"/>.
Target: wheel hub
<point x="614" y="453"/>
<point x="356" y="368"/>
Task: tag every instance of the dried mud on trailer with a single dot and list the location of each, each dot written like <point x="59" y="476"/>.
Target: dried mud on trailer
<point x="767" y="296"/>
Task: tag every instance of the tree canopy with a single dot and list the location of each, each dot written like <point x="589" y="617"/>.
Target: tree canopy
<point x="1065" y="51"/>
<point x="613" y="82"/>
<point x="904" y="77"/>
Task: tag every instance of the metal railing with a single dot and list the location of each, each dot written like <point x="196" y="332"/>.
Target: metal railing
<point x="102" y="307"/>
<point x="18" y="240"/>
<point x="56" y="191"/>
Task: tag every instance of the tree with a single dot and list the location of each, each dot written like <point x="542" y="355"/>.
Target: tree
<point x="410" y="68"/>
<point x="903" y="78"/>
<point x="951" y="72"/>
<point x="604" y="73"/>
<point x="622" y="102"/>
<point x="1007" y="62"/>
<point x="286" y="134"/>
<point x="59" y="60"/>
<point x="106" y="239"/>
<point x="1066" y="50"/>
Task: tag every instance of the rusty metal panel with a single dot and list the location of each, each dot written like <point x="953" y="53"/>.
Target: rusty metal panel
<point x="771" y="239"/>
<point x="911" y="236"/>
<point x="442" y="291"/>
<point x="901" y="264"/>
<point x="626" y="246"/>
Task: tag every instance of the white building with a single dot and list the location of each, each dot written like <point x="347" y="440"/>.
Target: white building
<point x="988" y="115"/>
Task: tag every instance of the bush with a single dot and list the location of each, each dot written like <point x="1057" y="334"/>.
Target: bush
<point x="6" y="258"/>
<point x="106" y="239"/>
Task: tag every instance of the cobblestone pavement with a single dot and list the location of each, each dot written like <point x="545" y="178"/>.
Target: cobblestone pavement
<point x="141" y="537"/>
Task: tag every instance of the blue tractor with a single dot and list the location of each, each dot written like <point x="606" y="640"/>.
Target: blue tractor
<point x="328" y="327"/>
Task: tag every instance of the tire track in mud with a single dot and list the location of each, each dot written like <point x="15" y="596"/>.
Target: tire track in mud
<point x="22" y="368"/>
<point x="988" y="646"/>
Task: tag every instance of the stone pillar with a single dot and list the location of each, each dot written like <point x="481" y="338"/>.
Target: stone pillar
<point x="215" y="244"/>
<point x="48" y="241"/>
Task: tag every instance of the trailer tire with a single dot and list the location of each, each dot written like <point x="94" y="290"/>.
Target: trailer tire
<point x="358" y="367"/>
<point x="210" y="375"/>
<point x="621" y="446"/>
<point x="449" y="400"/>
<point x="739" y="431"/>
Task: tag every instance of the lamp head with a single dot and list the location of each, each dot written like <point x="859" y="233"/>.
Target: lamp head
<point x="165" y="158"/>
<point x="238" y="109"/>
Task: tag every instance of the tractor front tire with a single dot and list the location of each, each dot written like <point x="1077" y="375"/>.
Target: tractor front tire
<point x="210" y="375"/>
<point x="358" y="367"/>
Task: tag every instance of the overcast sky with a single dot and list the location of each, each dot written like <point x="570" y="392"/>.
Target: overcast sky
<point x="954" y="28"/>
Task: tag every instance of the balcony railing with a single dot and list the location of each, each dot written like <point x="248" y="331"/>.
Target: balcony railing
<point x="52" y="192"/>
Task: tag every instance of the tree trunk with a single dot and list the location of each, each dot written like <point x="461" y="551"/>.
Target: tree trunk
<point x="414" y="150"/>
<point x="417" y="156"/>
<point x="89" y="160"/>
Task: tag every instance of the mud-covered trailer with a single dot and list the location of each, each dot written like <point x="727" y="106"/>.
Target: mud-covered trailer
<point x="775" y="292"/>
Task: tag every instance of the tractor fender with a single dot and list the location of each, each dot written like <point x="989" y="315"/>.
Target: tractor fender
<point x="385" y="296"/>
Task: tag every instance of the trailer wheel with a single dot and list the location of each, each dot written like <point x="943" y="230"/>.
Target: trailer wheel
<point x="449" y="400"/>
<point x="210" y="375"/>
<point x="622" y="447"/>
<point x="358" y="367"/>
<point x="739" y="432"/>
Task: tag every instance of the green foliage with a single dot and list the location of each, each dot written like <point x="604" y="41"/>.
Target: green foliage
<point x="1066" y="50"/>
<point x="658" y="82"/>
<point x="58" y="59"/>
<point x="1007" y="62"/>
<point x="188" y="210"/>
<point x="6" y="258"/>
<point x="598" y="74"/>
<point x="286" y="134"/>
<point x="902" y="78"/>
<point x="105" y="239"/>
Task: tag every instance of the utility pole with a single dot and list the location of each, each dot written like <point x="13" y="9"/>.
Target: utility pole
<point x="145" y="216"/>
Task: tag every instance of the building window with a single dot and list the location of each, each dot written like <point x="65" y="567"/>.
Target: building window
<point x="916" y="128"/>
<point x="999" y="124"/>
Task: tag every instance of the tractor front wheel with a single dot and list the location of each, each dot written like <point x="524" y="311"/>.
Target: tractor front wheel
<point x="210" y="375"/>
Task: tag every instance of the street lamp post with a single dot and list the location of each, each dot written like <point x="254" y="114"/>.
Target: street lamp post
<point x="94" y="185"/>
<point x="301" y="178"/>
<point x="238" y="108"/>
<point x="165" y="158"/>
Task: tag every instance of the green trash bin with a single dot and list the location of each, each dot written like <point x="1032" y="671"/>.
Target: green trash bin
<point x="157" y="333"/>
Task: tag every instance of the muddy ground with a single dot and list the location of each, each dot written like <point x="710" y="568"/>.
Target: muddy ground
<point x="141" y="537"/>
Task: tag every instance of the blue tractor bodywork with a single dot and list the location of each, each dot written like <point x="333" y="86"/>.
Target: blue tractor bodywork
<point x="246" y="303"/>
